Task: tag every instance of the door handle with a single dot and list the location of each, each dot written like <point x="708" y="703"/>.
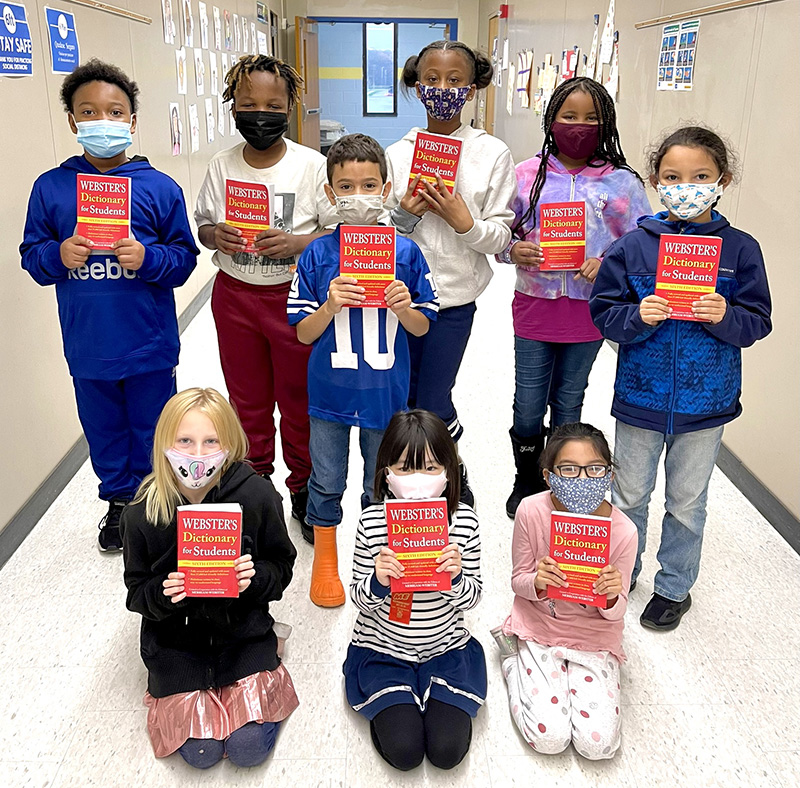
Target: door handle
<point x="313" y="111"/>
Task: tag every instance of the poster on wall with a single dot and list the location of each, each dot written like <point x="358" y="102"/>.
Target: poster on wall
<point x="194" y="128"/>
<point x="612" y="83"/>
<point x="261" y="12"/>
<point x="220" y="115"/>
<point x="590" y="66"/>
<point x="180" y="70"/>
<point x="210" y="120"/>
<point x="245" y="35"/>
<point x="175" y="130"/>
<point x="607" y="41"/>
<point x="226" y="28"/>
<point x="16" y="47"/>
<point x="188" y="23"/>
<point x="237" y="34"/>
<point x="203" y="15"/>
<point x="168" y="19"/>
<point x="64" y="53"/>
<point x="253" y="45"/>
<point x="524" y="65"/>
<point x="199" y="72"/>
<point x="510" y="89"/>
<point x="213" y="74"/>
<point x="217" y="28"/>
<point x="262" y="43"/>
<point x="569" y="63"/>
<point x="676" y="60"/>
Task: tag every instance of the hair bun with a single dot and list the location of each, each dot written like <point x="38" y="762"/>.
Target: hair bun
<point x="484" y="70"/>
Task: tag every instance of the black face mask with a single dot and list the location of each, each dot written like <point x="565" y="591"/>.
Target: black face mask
<point x="262" y="129"/>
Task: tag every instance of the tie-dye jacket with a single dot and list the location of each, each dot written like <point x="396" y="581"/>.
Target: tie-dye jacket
<point x="614" y="199"/>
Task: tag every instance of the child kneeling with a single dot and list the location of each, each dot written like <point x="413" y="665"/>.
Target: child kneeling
<point x="421" y="683"/>
<point x="215" y="685"/>
<point x="563" y="684"/>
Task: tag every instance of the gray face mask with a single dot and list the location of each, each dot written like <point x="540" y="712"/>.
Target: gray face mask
<point x="582" y="495"/>
<point x="359" y="209"/>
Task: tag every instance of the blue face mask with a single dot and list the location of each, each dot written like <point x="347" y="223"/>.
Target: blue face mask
<point x="104" y="139"/>
<point x="582" y="495"/>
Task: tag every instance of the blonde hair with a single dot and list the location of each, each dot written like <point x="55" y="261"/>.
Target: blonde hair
<point x="161" y="490"/>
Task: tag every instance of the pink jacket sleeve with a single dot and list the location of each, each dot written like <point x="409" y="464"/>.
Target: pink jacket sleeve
<point x="624" y="543"/>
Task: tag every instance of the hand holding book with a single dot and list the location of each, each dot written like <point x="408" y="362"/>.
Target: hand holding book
<point x="75" y="251"/>
<point x="130" y="253"/>
<point x="413" y="202"/>
<point x="608" y="584"/>
<point x="387" y="567"/>
<point x="175" y="584"/>
<point x="450" y="207"/>
<point x="450" y="560"/>
<point x="548" y="574"/>
<point x="710" y="308"/>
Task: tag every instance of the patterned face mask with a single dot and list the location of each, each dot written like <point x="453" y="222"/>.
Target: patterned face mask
<point x="687" y="201"/>
<point x="443" y="103"/>
<point x="582" y="495"/>
<point x="195" y="472"/>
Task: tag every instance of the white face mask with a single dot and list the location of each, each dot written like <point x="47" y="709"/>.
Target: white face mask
<point x="416" y="485"/>
<point x="687" y="201"/>
<point x="195" y="472"/>
<point x="359" y="208"/>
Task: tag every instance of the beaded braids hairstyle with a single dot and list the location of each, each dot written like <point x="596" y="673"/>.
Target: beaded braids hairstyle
<point x="482" y="69"/>
<point x="424" y="434"/>
<point x="247" y="64"/>
<point x="608" y="150"/>
<point x="95" y="70"/>
<point x="575" y="431"/>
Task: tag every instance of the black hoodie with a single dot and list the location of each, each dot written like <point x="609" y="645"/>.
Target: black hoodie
<point x="203" y="643"/>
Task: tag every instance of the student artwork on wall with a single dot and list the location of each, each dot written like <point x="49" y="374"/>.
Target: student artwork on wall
<point x="194" y="128"/>
<point x="231" y="121"/>
<point x="253" y="45"/>
<point x="569" y="63"/>
<point x="591" y="64"/>
<point x="510" y="89"/>
<point x="676" y="59"/>
<point x="175" y="129"/>
<point x="16" y="55"/>
<point x="612" y="83"/>
<point x="220" y="115"/>
<point x="237" y="34"/>
<point x="263" y="44"/>
<point x="168" y="19"/>
<point x="203" y="16"/>
<point x="607" y="41"/>
<point x="217" y="28"/>
<point x="199" y="72"/>
<point x="64" y="51"/>
<point x="524" y="65"/>
<point x="210" y="120"/>
<point x="188" y="23"/>
<point x="226" y="29"/>
<point x="180" y="70"/>
<point x="225" y="68"/>
<point x="213" y="74"/>
<point x="245" y="35"/>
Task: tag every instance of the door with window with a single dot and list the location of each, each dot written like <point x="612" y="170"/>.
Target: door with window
<point x="308" y="108"/>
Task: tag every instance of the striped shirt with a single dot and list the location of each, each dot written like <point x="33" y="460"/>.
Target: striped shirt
<point x="437" y="617"/>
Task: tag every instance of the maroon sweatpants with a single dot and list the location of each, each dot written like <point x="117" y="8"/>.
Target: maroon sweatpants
<point x="264" y="363"/>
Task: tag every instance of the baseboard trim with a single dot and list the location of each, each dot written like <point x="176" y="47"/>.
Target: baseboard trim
<point x="23" y="522"/>
<point x="781" y="519"/>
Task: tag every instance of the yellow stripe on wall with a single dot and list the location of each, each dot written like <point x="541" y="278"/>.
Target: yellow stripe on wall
<point x="350" y="72"/>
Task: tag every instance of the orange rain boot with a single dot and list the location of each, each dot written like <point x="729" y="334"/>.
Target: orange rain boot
<point x="326" y="588"/>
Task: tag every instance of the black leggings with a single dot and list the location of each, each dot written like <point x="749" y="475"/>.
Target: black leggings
<point x="403" y="736"/>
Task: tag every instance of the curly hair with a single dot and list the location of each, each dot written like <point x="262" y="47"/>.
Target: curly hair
<point x="356" y="147"/>
<point x="95" y="70"/>
<point x="247" y="64"/>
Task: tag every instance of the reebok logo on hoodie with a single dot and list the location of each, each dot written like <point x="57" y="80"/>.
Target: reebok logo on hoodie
<point x="109" y="269"/>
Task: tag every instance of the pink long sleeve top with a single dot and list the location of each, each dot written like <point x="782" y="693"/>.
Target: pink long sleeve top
<point x="554" y="622"/>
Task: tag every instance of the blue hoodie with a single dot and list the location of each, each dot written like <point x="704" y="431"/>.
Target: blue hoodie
<point x="115" y="323"/>
<point x="680" y="376"/>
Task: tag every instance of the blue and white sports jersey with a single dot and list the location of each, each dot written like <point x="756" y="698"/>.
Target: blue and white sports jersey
<point x="359" y="369"/>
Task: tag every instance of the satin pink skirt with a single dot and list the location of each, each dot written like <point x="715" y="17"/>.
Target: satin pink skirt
<point x="267" y="696"/>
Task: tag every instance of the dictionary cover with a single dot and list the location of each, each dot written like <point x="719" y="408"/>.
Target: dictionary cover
<point x="104" y="209"/>
<point x="248" y="207"/>
<point x="562" y="235"/>
<point x="418" y="532"/>
<point x="209" y="541"/>
<point x="580" y="543"/>
<point x="368" y="255"/>
<point x="436" y="154"/>
<point x="687" y="269"/>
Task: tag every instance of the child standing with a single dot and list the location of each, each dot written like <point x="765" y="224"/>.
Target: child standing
<point x="454" y="231"/>
<point x="419" y="684"/>
<point x="215" y="685"/>
<point x="116" y="308"/>
<point x="678" y="382"/>
<point x="563" y="683"/>
<point x="358" y="371"/>
<point x="263" y="361"/>
<point x="555" y="341"/>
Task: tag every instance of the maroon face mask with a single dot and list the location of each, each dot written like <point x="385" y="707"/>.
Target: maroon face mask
<point x="576" y="140"/>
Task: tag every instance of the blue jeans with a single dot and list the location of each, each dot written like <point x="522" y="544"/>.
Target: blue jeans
<point x="688" y="465"/>
<point x="329" y="446"/>
<point x="554" y="374"/>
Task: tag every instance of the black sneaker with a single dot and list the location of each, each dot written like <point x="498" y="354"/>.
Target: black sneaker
<point x="109" y="540"/>
<point x="664" y="614"/>
<point x="299" y="502"/>
<point x="467" y="496"/>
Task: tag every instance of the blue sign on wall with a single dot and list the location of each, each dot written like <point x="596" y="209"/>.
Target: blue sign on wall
<point x="16" y="48"/>
<point x="63" y="40"/>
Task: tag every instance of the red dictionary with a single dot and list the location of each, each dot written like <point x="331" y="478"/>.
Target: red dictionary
<point x="248" y="207"/>
<point x="562" y="235"/>
<point x="436" y="154"/>
<point x="418" y="532"/>
<point x="687" y="269"/>
<point x="580" y="543"/>
<point x="209" y="541"/>
<point x="104" y="209"/>
<point x="368" y="255"/>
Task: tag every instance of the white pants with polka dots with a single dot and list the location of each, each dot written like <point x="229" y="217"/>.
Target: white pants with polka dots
<point x="560" y="695"/>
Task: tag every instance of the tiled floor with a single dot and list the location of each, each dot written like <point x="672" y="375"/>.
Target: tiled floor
<point x="713" y="704"/>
